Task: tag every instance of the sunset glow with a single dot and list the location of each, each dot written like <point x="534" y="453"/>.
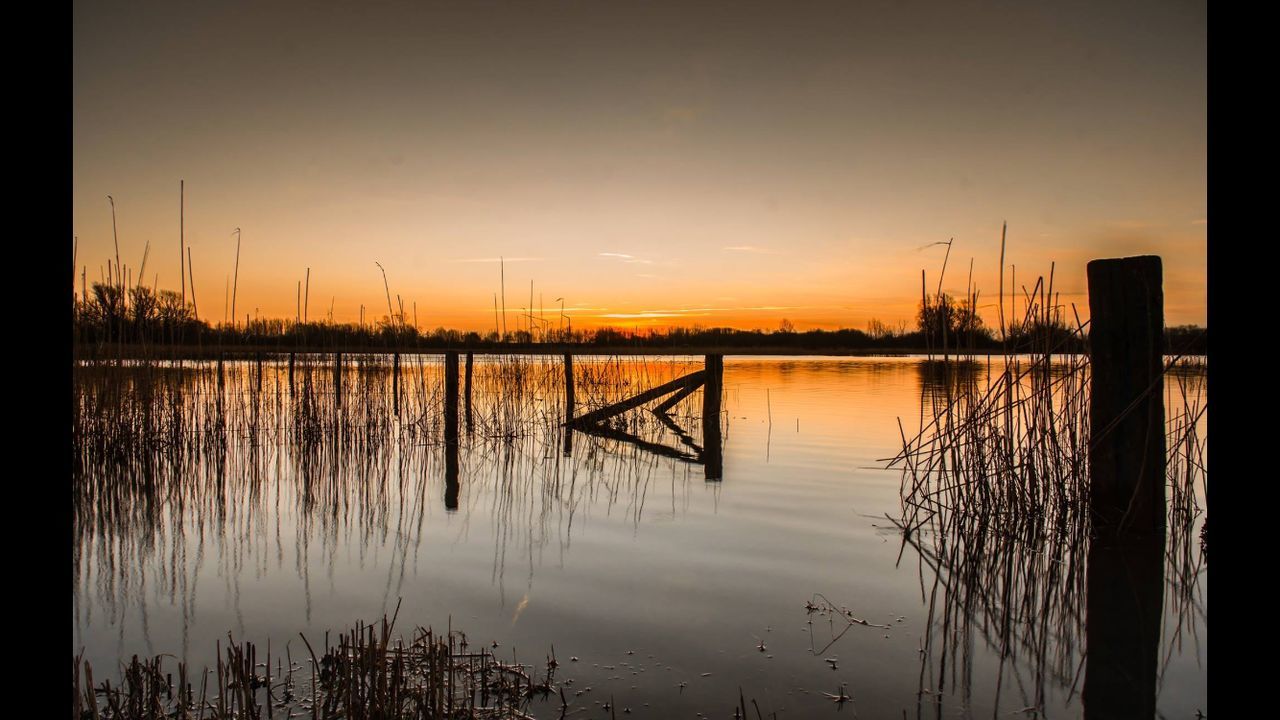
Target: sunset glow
<point x="653" y="165"/>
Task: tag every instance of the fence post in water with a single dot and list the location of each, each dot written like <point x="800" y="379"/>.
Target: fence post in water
<point x="451" y="430"/>
<point x="1126" y="399"/>
<point x="337" y="378"/>
<point x="569" y="404"/>
<point x="291" y="373"/>
<point x="467" y="390"/>
<point x="711" y="391"/>
<point x="395" y="382"/>
<point x="568" y="387"/>
<point x="221" y="374"/>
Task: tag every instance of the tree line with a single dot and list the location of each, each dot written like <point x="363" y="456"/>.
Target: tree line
<point x="112" y="314"/>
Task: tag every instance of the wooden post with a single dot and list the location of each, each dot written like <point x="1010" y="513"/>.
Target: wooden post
<point x="568" y="387"/>
<point x="291" y="373"/>
<point x="337" y="378"/>
<point x="221" y="373"/>
<point x="395" y="382"/>
<point x="1127" y="443"/>
<point x="451" y="430"/>
<point x="569" y="404"/>
<point x="713" y="384"/>
<point x="451" y="396"/>
<point x="467" y="390"/>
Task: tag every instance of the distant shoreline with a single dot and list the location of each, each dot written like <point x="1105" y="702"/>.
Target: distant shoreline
<point x="108" y="351"/>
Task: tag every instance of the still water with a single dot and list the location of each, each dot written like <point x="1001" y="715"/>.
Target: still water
<point x="673" y="593"/>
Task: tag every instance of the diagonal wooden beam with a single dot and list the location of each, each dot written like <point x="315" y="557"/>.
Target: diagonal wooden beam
<point x="588" y="419"/>
<point x="671" y="401"/>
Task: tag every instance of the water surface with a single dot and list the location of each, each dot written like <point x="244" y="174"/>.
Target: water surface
<point x="673" y="592"/>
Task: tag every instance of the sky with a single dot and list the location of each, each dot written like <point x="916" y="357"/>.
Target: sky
<point x="643" y="164"/>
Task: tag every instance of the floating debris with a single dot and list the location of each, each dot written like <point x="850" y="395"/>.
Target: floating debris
<point x="841" y="697"/>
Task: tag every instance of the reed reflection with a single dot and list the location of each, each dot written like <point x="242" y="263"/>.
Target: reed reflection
<point x="177" y="459"/>
<point x="994" y="505"/>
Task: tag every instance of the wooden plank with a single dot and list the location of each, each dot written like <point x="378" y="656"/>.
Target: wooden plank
<point x="671" y="401"/>
<point x="596" y="416"/>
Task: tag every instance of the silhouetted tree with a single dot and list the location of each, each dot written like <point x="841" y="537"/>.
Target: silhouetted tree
<point x="955" y="323"/>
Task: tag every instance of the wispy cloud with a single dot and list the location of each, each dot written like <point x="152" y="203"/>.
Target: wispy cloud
<point x="695" y="312"/>
<point x="749" y="249"/>
<point x="624" y="257"/>
<point x="648" y="314"/>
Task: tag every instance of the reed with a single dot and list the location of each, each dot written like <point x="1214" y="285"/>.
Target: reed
<point x="995" y="504"/>
<point x="367" y="673"/>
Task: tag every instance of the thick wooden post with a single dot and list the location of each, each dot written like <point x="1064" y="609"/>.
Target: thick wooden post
<point x="395" y="383"/>
<point x="291" y="373"/>
<point x="466" y="391"/>
<point x="337" y="378"/>
<point x="568" y="387"/>
<point x="451" y="430"/>
<point x="713" y="384"/>
<point x="569" y="404"/>
<point x="1127" y="443"/>
<point x="451" y="397"/>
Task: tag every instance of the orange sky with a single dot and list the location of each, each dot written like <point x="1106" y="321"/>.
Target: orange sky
<point x="651" y="164"/>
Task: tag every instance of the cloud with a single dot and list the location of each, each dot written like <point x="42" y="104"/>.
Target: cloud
<point x="648" y="314"/>
<point x="624" y="257"/>
<point x="697" y="312"/>
<point x="750" y="249"/>
<point x="496" y="260"/>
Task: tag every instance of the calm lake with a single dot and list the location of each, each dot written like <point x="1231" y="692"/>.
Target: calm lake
<point x="659" y="590"/>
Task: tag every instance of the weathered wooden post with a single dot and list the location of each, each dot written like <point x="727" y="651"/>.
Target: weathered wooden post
<point x="451" y="430"/>
<point x="568" y="387"/>
<point x="291" y="373"/>
<point x="466" y="391"/>
<point x="258" y="362"/>
<point x="222" y="381"/>
<point x="451" y="396"/>
<point x="569" y="404"/>
<point x="1127" y="443"/>
<point x="711" y="391"/>
<point x="1127" y="504"/>
<point x="337" y="378"/>
<point x="395" y="383"/>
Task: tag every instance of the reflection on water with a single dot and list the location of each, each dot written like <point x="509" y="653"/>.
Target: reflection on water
<point x="268" y="497"/>
<point x="995" y="504"/>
